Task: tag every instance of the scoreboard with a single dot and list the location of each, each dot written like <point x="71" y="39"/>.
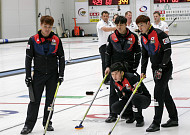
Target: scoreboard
<point x="107" y="2"/>
<point x="170" y="1"/>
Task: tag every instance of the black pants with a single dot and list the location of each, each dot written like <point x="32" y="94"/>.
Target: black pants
<point x="39" y="82"/>
<point x="113" y="97"/>
<point x="162" y="96"/>
<point x="134" y="108"/>
<point x="102" y="51"/>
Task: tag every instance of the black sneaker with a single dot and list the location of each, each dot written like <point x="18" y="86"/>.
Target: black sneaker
<point x="26" y="130"/>
<point x="170" y="123"/>
<point x="152" y="128"/>
<point x="107" y="83"/>
<point x="140" y="124"/>
<point x="49" y="128"/>
<point x="130" y="120"/>
<point x="124" y="117"/>
<point x="110" y="119"/>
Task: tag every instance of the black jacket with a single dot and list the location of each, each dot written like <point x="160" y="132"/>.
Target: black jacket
<point x="128" y="83"/>
<point x="46" y="53"/>
<point x="157" y="46"/>
<point x="123" y="49"/>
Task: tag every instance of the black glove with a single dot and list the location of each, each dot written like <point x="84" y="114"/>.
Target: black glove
<point x="120" y="95"/>
<point x="28" y="81"/>
<point x="60" y="80"/>
<point x="127" y="91"/>
<point x="158" y="74"/>
<point x="135" y="66"/>
<point x="162" y="66"/>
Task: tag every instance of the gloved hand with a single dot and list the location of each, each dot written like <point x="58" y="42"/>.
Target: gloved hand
<point x="60" y="80"/>
<point x="127" y="91"/>
<point x="119" y="94"/>
<point x="162" y="66"/>
<point x="134" y="70"/>
<point x="135" y="66"/>
<point x="158" y="74"/>
<point x="28" y="81"/>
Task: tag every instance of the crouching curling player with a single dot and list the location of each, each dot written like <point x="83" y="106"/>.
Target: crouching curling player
<point x="125" y="84"/>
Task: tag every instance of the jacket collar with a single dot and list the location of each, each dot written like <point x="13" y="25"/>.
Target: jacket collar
<point x="151" y="28"/>
<point x="41" y="36"/>
<point x="120" y="35"/>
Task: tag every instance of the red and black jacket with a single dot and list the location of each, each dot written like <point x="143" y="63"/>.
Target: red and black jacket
<point x="46" y="51"/>
<point x="126" y="85"/>
<point x="157" y="46"/>
<point x="123" y="49"/>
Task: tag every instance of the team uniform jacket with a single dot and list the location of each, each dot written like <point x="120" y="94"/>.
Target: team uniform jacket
<point x="46" y="51"/>
<point x="123" y="49"/>
<point x="129" y="82"/>
<point x="157" y="46"/>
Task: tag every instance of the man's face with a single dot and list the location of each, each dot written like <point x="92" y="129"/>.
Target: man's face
<point x="116" y="75"/>
<point x="144" y="27"/>
<point x="46" y="29"/>
<point x="129" y="16"/>
<point x="156" y="17"/>
<point x="105" y="17"/>
<point x="121" y="28"/>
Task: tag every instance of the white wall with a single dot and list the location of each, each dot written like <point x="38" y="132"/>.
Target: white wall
<point x="55" y="7"/>
<point x="18" y="18"/>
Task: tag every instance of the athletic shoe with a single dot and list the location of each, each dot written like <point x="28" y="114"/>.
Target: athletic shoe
<point x="110" y="119"/>
<point x="130" y="120"/>
<point x="170" y="123"/>
<point x="49" y="128"/>
<point x="140" y="124"/>
<point x="152" y="128"/>
<point x="26" y="130"/>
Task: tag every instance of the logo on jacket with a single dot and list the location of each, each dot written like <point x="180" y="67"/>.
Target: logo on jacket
<point x="152" y="41"/>
<point x="53" y="42"/>
<point x="127" y="86"/>
<point x="28" y="46"/>
<point x="129" y="41"/>
<point x="166" y="40"/>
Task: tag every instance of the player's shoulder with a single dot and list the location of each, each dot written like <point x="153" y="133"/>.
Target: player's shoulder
<point x="100" y="22"/>
<point x="164" y="23"/>
<point x="161" y="34"/>
<point x="153" y="24"/>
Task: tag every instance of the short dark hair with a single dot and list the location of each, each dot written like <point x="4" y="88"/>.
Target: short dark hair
<point x="142" y="18"/>
<point x="115" y="15"/>
<point x="118" y="66"/>
<point x="121" y="20"/>
<point x="105" y="12"/>
<point x="126" y="13"/>
<point x="47" y="20"/>
<point x="156" y="12"/>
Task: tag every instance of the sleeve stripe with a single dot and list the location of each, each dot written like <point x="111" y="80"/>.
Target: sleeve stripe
<point x="107" y="53"/>
<point x="167" y="49"/>
<point x="28" y="56"/>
